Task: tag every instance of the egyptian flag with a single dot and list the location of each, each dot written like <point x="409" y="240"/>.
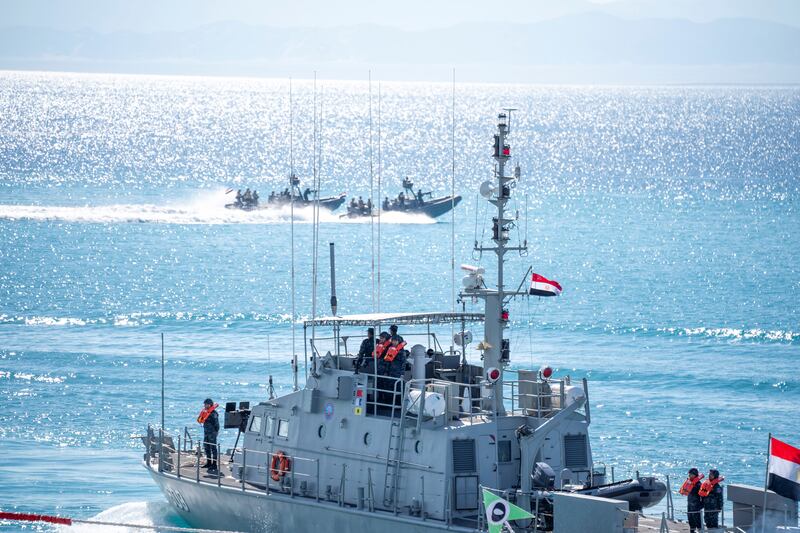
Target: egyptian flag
<point x="541" y="286"/>
<point x="784" y="469"/>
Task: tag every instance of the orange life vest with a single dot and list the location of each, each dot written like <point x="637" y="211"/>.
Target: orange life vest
<point x="708" y="485"/>
<point x="381" y="347"/>
<point x="393" y="351"/>
<point x="689" y="484"/>
<point x="205" y="413"/>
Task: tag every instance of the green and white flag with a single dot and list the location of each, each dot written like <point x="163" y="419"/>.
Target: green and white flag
<point x="499" y="512"/>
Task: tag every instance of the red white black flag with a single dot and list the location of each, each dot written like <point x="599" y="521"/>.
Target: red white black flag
<point x="541" y="286"/>
<point x="784" y="469"/>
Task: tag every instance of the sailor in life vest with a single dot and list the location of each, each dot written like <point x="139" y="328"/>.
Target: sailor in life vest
<point x="395" y="357"/>
<point x="210" y="420"/>
<point x="384" y="341"/>
<point x="711" y="492"/>
<point x="694" y="503"/>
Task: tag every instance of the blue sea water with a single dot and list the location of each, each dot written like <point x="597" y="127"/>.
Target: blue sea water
<point x="669" y="215"/>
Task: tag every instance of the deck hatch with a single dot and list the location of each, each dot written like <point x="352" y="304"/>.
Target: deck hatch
<point x="575" y="455"/>
<point x="464" y="456"/>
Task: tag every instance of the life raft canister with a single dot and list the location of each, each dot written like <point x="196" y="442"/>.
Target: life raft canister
<point x="280" y="465"/>
<point x="689" y="484"/>
<point x="205" y="413"/>
<point x="393" y="351"/>
<point x="708" y="485"/>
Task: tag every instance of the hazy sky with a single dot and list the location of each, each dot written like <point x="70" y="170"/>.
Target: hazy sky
<point x="149" y="15"/>
<point x="560" y="41"/>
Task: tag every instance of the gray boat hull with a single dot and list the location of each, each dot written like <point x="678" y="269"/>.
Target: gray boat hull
<point x="208" y="506"/>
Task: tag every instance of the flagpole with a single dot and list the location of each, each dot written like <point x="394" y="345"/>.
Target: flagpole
<point x="766" y="484"/>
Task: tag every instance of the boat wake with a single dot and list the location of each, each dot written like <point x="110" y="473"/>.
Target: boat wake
<point x="204" y="208"/>
<point x="141" y="513"/>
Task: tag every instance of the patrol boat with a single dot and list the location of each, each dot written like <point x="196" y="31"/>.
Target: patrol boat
<point x="408" y="202"/>
<point x="352" y="448"/>
<point x="285" y="198"/>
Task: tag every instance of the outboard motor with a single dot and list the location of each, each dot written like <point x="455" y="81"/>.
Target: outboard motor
<point x="543" y="478"/>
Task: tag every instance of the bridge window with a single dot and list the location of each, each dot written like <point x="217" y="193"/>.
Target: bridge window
<point x="255" y="424"/>
<point x="283" y="428"/>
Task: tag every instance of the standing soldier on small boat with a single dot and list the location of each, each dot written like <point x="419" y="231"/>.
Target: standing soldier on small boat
<point x="694" y="503"/>
<point x="711" y="493"/>
<point x="366" y="349"/>
<point x="210" y="420"/>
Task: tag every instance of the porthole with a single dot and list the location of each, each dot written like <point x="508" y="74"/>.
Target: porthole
<point x="367" y="439"/>
<point x="418" y="446"/>
<point x="321" y="431"/>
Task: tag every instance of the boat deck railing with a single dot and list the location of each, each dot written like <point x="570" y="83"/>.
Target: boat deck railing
<point x="251" y="471"/>
<point x="463" y="403"/>
<point x="263" y="472"/>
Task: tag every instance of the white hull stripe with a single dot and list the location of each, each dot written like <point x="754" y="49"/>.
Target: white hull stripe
<point x="783" y="468"/>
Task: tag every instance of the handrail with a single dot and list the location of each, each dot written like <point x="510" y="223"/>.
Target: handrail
<point x="251" y="461"/>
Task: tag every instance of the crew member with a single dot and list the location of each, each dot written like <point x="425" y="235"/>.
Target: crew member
<point x="393" y="332"/>
<point x="394" y="366"/>
<point x="383" y="385"/>
<point x="419" y="196"/>
<point x="210" y="420"/>
<point x="694" y="503"/>
<point x="306" y="193"/>
<point x="255" y="197"/>
<point x="401" y="199"/>
<point x="711" y="492"/>
<point x="386" y="203"/>
<point x="239" y="197"/>
<point x="367" y="348"/>
<point x="395" y="357"/>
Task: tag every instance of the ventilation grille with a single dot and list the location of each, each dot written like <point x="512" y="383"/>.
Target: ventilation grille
<point x="463" y="456"/>
<point x="575" y="452"/>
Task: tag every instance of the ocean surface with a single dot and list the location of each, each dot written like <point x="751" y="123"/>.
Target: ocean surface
<point x="670" y="215"/>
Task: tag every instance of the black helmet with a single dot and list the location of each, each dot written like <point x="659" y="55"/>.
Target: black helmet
<point x="713" y="473"/>
<point x="393" y="328"/>
<point x="694" y="471"/>
<point x="384" y="335"/>
<point x="208" y="401"/>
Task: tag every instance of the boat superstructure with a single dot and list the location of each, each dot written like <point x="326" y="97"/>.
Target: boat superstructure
<point x="355" y="448"/>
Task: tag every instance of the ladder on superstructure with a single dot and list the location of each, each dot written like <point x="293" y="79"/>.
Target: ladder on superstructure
<point x="394" y="455"/>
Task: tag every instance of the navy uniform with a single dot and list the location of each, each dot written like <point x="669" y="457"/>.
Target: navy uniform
<point x="366" y="349"/>
<point x="210" y="420"/>
<point x="393" y="332"/>
<point x="711" y="493"/>
<point x="694" y="503"/>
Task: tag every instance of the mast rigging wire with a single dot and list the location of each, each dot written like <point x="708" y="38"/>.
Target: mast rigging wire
<point x="291" y="190"/>
<point x="378" y="296"/>
<point x="371" y="197"/>
<point x="453" y="215"/>
<point x="316" y="163"/>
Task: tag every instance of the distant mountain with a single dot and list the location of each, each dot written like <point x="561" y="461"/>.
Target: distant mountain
<point x="570" y="42"/>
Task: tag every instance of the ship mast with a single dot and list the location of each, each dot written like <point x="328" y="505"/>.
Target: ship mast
<point x="496" y="351"/>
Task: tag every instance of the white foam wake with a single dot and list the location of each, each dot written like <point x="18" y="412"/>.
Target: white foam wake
<point x="140" y="513"/>
<point x="195" y="213"/>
